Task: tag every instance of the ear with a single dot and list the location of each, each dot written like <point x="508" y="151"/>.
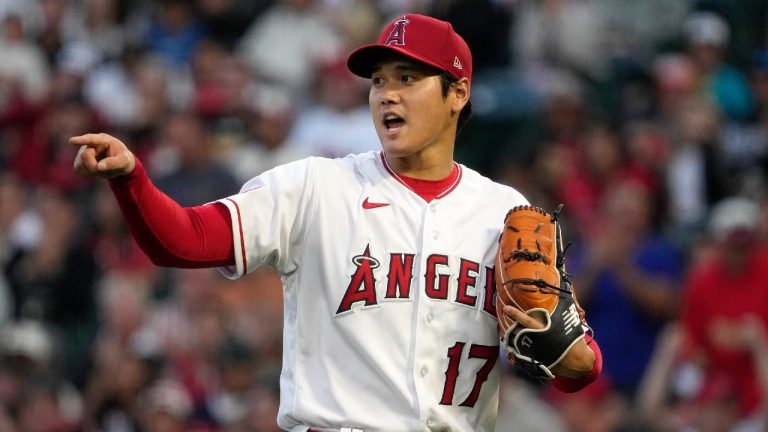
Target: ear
<point x="459" y="94"/>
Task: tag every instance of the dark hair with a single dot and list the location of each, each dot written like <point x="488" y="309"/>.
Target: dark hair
<point x="446" y="80"/>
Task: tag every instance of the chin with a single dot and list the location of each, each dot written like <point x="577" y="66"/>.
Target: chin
<point x="397" y="152"/>
<point x="395" y="148"/>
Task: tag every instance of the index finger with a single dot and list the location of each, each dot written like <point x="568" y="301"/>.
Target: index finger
<point x="522" y="318"/>
<point x="95" y="141"/>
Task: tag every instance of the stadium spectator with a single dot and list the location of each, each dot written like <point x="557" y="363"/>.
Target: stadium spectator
<point x="627" y="275"/>
<point x="733" y="265"/>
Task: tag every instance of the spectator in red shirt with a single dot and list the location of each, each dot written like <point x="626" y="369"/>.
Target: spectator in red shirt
<point x="728" y="287"/>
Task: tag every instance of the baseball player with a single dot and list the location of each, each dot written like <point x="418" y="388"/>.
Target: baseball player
<point x="387" y="257"/>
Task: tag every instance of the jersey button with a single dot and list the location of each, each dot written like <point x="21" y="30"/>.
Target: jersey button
<point x="433" y="208"/>
<point x="423" y="371"/>
<point x="435" y="235"/>
<point x="430" y="422"/>
<point x="429" y="317"/>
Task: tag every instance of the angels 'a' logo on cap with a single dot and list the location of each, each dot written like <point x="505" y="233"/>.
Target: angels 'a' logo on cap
<point x="397" y="35"/>
<point x="457" y="63"/>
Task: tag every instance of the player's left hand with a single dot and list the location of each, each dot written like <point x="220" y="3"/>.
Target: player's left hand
<point x="579" y="360"/>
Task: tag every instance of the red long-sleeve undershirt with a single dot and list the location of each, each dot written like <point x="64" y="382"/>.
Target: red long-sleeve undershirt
<point x="201" y="236"/>
<point x="171" y="235"/>
<point x="570" y="385"/>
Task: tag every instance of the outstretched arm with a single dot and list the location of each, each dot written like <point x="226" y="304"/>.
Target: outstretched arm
<point x="171" y="235"/>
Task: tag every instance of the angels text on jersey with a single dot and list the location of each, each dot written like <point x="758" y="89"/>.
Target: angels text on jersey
<point x="441" y="281"/>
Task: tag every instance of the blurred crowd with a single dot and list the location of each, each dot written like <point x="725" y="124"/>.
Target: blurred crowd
<point x="647" y="119"/>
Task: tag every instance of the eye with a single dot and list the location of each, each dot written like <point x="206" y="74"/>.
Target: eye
<point x="376" y="81"/>
<point x="408" y="79"/>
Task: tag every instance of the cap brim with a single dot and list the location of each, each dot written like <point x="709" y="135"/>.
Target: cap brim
<point x="362" y="60"/>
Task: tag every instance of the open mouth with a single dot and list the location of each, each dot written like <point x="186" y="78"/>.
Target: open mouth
<point x="393" y="123"/>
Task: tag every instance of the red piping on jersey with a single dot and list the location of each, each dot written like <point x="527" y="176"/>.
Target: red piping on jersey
<point x="455" y="182"/>
<point x="242" y="237"/>
<point x="389" y="170"/>
<point x="427" y="189"/>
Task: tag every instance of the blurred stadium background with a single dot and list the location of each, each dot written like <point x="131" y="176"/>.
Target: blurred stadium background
<point x="648" y="119"/>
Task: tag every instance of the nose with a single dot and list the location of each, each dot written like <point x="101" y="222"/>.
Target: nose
<point x="388" y="95"/>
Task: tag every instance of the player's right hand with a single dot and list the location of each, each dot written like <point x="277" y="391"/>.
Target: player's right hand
<point x="102" y="155"/>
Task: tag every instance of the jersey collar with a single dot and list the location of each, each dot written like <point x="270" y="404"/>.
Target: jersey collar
<point x="427" y="189"/>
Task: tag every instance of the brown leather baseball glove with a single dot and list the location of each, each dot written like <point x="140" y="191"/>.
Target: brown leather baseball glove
<point x="530" y="275"/>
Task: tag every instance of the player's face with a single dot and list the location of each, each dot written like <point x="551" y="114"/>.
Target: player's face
<point x="411" y="115"/>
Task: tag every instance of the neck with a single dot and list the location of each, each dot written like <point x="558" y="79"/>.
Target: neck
<point x="419" y="167"/>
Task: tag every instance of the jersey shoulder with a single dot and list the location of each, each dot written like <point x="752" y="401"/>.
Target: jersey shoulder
<point x="355" y="164"/>
<point x="361" y="159"/>
<point x="348" y="161"/>
<point x="319" y="168"/>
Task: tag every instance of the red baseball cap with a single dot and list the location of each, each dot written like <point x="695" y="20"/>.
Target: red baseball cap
<point x="422" y="38"/>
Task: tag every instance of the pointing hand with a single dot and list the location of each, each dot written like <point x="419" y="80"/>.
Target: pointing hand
<point x="102" y="155"/>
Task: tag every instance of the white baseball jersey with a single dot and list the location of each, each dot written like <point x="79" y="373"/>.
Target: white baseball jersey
<point x="389" y="316"/>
